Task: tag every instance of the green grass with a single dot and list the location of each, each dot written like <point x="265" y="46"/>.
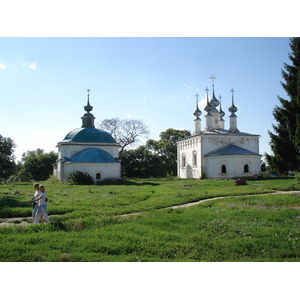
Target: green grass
<point x="90" y="224"/>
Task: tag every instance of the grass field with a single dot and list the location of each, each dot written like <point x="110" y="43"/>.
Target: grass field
<point x="132" y="221"/>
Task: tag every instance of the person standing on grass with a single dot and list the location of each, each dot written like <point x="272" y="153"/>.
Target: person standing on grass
<point x="41" y="206"/>
<point x="35" y="202"/>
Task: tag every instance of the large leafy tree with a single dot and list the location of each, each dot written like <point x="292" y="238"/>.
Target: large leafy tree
<point x="156" y="158"/>
<point x="142" y="163"/>
<point x="126" y="132"/>
<point x="7" y="159"/>
<point x="37" y="165"/>
<point x="285" y="140"/>
<point x="166" y="147"/>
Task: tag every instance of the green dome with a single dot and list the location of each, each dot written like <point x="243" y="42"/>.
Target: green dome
<point x="89" y="135"/>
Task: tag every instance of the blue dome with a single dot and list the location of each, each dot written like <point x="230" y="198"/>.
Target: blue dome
<point x="89" y="135"/>
<point x="93" y="155"/>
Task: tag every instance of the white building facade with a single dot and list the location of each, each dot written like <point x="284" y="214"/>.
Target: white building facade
<point x="88" y="150"/>
<point x="216" y="152"/>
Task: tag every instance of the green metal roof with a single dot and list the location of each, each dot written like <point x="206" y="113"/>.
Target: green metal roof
<point x="93" y="155"/>
<point x="231" y="150"/>
<point x="88" y="135"/>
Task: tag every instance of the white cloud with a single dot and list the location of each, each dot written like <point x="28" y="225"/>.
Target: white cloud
<point x="2" y="66"/>
<point x="202" y="103"/>
<point x="32" y="66"/>
<point x="191" y="87"/>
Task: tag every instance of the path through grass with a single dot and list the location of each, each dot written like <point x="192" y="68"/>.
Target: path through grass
<point x="91" y="225"/>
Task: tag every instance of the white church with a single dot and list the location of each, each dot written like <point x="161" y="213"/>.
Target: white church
<point x="88" y="150"/>
<point x="216" y="152"/>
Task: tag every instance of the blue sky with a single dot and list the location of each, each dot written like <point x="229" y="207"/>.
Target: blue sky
<point x="44" y="81"/>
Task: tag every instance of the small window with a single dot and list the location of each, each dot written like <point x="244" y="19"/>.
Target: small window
<point x="223" y="169"/>
<point x="194" y="158"/>
<point x="246" y="169"/>
<point x="183" y="161"/>
<point x="98" y="176"/>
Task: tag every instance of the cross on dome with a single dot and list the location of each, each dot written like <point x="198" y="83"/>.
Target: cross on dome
<point x="214" y="101"/>
<point x="232" y="91"/>
<point x="197" y="112"/>
<point x="213" y="78"/>
<point x="233" y="109"/>
<point x="88" y="107"/>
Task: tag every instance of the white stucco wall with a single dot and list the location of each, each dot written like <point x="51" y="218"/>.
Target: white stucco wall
<point x="107" y="170"/>
<point x="234" y="166"/>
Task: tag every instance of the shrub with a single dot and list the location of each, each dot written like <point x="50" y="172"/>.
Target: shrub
<point x="81" y="178"/>
<point x="53" y="180"/>
<point x="297" y="177"/>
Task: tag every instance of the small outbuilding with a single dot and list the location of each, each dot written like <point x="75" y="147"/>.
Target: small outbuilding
<point x="88" y="150"/>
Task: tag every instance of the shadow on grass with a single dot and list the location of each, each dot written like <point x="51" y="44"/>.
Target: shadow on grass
<point x="126" y="182"/>
<point x="12" y="202"/>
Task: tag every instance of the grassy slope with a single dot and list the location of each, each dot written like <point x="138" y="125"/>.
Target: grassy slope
<point x="91" y="226"/>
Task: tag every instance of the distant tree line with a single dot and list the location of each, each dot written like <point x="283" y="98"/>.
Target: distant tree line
<point x="34" y="165"/>
<point x="156" y="158"/>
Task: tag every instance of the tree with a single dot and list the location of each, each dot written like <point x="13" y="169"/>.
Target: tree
<point x="285" y="141"/>
<point x="7" y="159"/>
<point x="126" y="132"/>
<point x="37" y="165"/>
<point x="166" y="147"/>
<point x="143" y="163"/>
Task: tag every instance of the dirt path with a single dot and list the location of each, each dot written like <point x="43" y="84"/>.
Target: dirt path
<point x="222" y="197"/>
<point x="25" y="221"/>
<point x="22" y="221"/>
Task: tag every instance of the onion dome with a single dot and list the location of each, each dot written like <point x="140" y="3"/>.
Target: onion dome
<point x="208" y="107"/>
<point x="88" y="118"/>
<point x="88" y="107"/>
<point x="233" y="109"/>
<point x="88" y="133"/>
<point x="221" y="112"/>
<point x="214" y="102"/>
<point x="197" y="112"/>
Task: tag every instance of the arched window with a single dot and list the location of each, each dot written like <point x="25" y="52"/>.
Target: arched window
<point x="223" y="169"/>
<point x="246" y="168"/>
<point x="98" y="176"/>
<point x="194" y="158"/>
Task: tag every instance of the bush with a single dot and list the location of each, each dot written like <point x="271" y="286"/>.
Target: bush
<point x="81" y="178"/>
<point x="297" y="177"/>
<point x="53" y="180"/>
